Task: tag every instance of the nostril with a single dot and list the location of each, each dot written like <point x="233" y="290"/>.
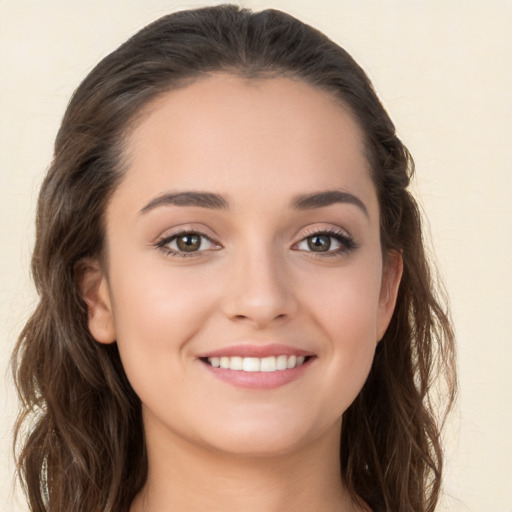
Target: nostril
<point x="259" y="304"/>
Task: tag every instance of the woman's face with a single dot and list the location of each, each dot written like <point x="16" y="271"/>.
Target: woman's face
<point x="245" y="284"/>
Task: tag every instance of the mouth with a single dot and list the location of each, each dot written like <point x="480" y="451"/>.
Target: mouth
<point x="257" y="364"/>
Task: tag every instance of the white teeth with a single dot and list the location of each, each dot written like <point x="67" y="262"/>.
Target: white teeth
<point x="251" y="364"/>
<point x="236" y="363"/>
<point x="282" y="362"/>
<point x="268" y="364"/>
<point x="256" y="364"/>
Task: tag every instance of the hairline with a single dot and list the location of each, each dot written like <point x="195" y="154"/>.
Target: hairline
<point x="251" y="74"/>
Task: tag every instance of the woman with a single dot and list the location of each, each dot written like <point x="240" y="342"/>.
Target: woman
<point x="236" y="312"/>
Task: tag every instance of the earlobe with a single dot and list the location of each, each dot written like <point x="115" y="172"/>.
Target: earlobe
<point x="391" y="277"/>
<point x="94" y="290"/>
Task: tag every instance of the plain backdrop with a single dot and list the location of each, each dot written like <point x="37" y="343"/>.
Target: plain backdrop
<point x="443" y="70"/>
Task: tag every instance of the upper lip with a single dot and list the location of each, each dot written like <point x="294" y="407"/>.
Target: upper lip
<point x="259" y="350"/>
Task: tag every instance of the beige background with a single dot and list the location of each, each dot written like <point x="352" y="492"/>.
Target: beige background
<point x="443" y="70"/>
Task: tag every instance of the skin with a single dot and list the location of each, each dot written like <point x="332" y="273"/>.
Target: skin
<point x="254" y="280"/>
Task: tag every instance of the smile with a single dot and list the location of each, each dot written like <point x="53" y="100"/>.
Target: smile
<point x="257" y="364"/>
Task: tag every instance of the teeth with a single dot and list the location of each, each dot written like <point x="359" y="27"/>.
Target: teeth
<point x="236" y="363"/>
<point x="281" y="362"/>
<point x="256" y="364"/>
<point x="268" y="364"/>
<point x="251" y="364"/>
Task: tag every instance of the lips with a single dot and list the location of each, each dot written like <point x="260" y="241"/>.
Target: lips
<point x="256" y="350"/>
<point x="257" y="366"/>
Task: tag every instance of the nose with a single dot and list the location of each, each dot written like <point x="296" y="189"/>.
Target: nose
<point x="260" y="291"/>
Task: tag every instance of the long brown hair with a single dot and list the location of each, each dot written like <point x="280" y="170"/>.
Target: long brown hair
<point x="79" y="436"/>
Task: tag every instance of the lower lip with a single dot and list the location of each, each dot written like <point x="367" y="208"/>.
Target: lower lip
<point x="258" y="380"/>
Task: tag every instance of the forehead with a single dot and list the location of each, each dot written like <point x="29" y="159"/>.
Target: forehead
<point x="225" y="133"/>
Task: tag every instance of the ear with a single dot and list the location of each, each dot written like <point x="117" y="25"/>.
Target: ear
<point x="391" y="276"/>
<point x="94" y="290"/>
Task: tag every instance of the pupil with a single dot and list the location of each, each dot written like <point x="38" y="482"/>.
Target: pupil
<point x="189" y="243"/>
<point x="319" y="243"/>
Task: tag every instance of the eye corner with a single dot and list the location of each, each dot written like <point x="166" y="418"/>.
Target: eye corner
<point x="330" y="242"/>
<point x="187" y="243"/>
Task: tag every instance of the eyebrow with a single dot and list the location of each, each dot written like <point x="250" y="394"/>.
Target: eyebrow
<point x="217" y="202"/>
<point x="201" y="199"/>
<point x="327" y="198"/>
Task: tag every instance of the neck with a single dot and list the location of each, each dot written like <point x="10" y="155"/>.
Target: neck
<point x="184" y="477"/>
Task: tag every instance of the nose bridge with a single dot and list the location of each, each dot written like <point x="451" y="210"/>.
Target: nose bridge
<point x="260" y="290"/>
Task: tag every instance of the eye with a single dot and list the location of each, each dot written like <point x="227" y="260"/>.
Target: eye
<point x="328" y="242"/>
<point x="186" y="243"/>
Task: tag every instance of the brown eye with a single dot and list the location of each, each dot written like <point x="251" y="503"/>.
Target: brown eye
<point x="188" y="243"/>
<point x="319" y="243"/>
<point x="327" y="243"/>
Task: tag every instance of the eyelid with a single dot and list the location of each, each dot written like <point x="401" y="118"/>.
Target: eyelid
<point x="171" y="235"/>
<point x="343" y="237"/>
<point x="325" y="229"/>
<point x="185" y="228"/>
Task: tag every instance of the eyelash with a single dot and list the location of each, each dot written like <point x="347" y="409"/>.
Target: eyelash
<point x="164" y="242"/>
<point x="346" y="242"/>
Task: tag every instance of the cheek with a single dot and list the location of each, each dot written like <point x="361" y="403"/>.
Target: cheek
<point x="347" y="313"/>
<point x="156" y="312"/>
<point x="346" y="301"/>
<point x="350" y="316"/>
<point x="350" y="323"/>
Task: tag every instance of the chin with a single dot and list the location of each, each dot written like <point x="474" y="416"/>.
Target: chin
<point x="264" y="438"/>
